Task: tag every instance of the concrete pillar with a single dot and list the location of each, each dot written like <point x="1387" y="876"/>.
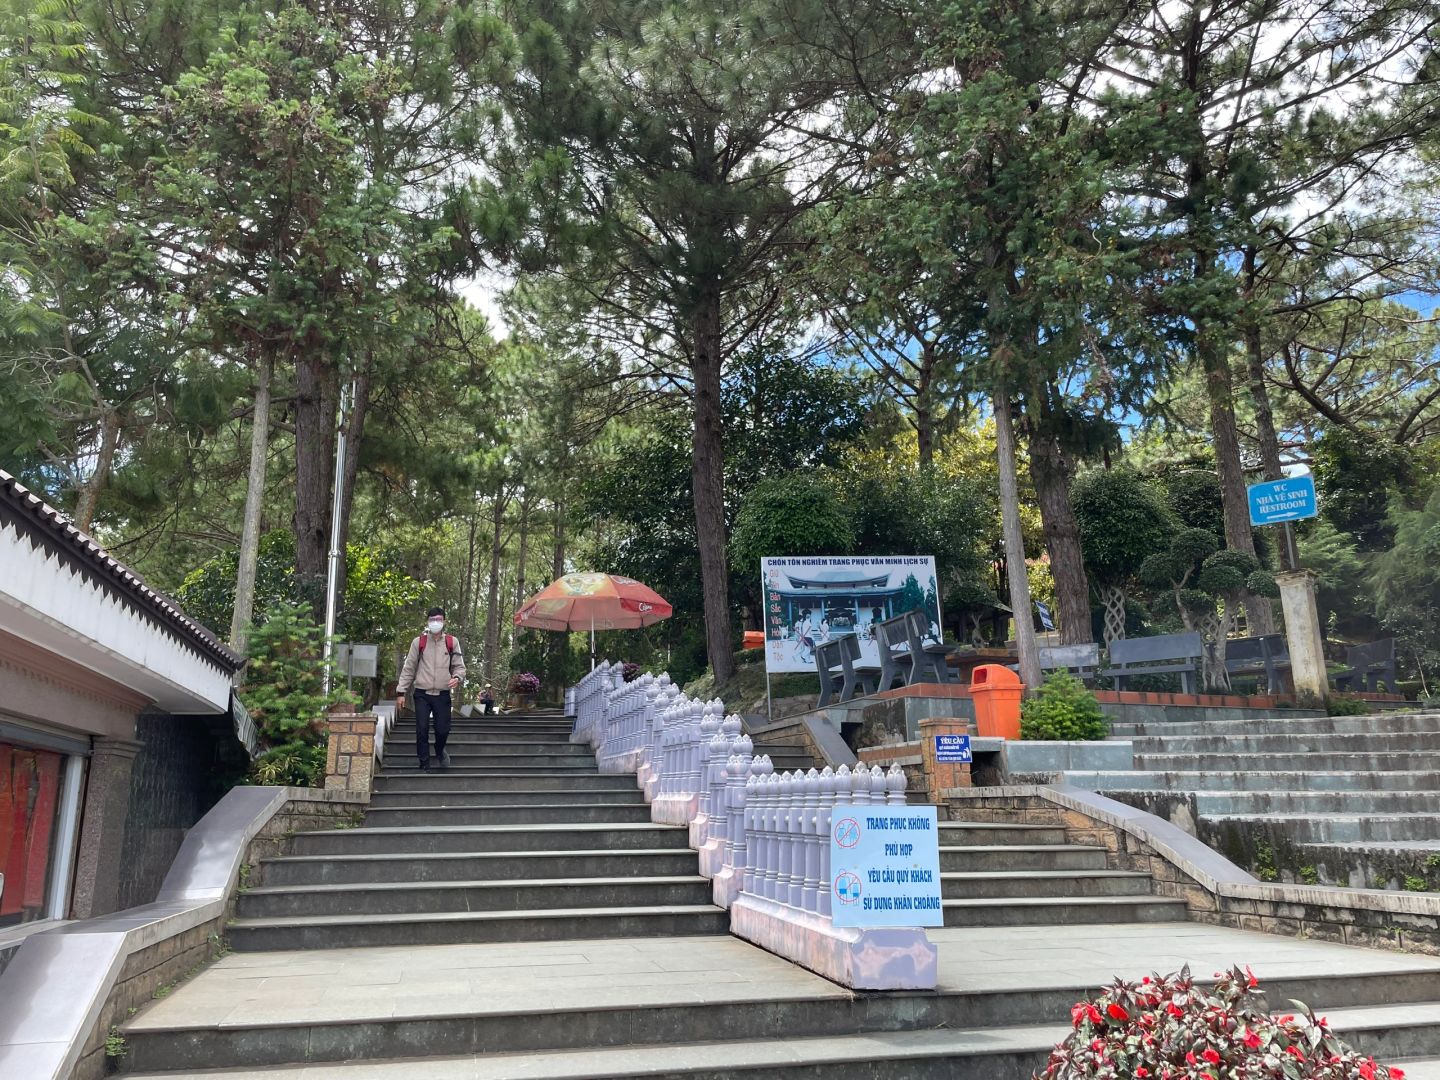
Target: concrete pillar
<point x="942" y="776"/>
<point x="350" y="753"/>
<point x="102" y="829"/>
<point x="1303" y="636"/>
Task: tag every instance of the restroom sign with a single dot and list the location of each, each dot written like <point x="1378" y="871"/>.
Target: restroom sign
<point x="885" y="866"/>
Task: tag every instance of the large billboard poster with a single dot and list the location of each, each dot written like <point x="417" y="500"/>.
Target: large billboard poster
<point x="809" y="601"/>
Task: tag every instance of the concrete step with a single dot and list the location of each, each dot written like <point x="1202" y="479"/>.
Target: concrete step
<point x="1063" y="911"/>
<point x="1375" y="722"/>
<point x="493" y="738"/>
<point x="1050" y="884"/>
<point x="471" y="866"/>
<point x="1021" y="857"/>
<point x="678" y="1031"/>
<point x="484" y="765"/>
<point x="1391" y="1031"/>
<point x="474" y="839"/>
<point x="553" y="813"/>
<point x="1256" y="780"/>
<point x="436" y="794"/>
<point x="994" y="1053"/>
<point x="455" y="780"/>
<point x="501" y="752"/>
<point x="991" y="834"/>
<point x="403" y="897"/>
<point x="1423" y="760"/>
<point x="1419" y="1068"/>
<point x="1338" y="828"/>
<point x="1317" y="802"/>
<point x="1290" y="742"/>
<point x="461" y="927"/>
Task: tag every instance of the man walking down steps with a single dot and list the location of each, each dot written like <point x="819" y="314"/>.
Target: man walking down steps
<point x="434" y="667"/>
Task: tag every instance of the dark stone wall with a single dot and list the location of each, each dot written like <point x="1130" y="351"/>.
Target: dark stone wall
<point x="187" y="764"/>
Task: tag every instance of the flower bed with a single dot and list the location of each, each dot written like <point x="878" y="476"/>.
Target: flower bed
<point x="1167" y="1028"/>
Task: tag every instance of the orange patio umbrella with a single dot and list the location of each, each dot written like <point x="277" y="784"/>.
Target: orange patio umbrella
<point x="593" y="602"/>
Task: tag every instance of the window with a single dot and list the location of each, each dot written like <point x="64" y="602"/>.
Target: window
<point x="30" y="810"/>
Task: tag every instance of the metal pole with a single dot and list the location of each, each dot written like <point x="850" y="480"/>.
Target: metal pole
<point x="332" y="582"/>
<point x="769" y="704"/>
<point x="1292" y="552"/>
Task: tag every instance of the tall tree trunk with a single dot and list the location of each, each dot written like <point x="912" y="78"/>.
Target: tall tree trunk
<point x="1051" y="476"/>
<point x="315" y="404"/>
<point x="925" y="407"/>
<point x="1264" y="422"/>
<point x="492" y="614"/>
<point x="88" y="498"/>
<point x="1025" y="641"/>
<point x="557" y="561"/>
<point x="254" y="506"/>
<point x="708" y="480"/>
<point x="520" y="559"/>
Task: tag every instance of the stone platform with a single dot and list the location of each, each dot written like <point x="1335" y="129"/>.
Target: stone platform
<point x="638" y="1007"/>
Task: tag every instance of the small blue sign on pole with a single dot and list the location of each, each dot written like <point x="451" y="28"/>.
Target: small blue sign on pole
<point x="1276" y="501"/>
<point x="953" y="750"/>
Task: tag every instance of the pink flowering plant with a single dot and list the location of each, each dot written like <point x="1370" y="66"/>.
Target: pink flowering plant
<point x="1167" y="1028"/>
<point x="524" y="682"/>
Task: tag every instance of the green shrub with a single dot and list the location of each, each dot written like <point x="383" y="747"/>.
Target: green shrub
<point x="1341" y="705"/>
<point x="1062" y="709"/>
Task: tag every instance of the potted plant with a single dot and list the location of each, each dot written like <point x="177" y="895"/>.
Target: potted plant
<point x="524" y="685"/>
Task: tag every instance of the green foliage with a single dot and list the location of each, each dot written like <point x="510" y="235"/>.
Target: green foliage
<point x="1345" y="705"/>
<point x="284" y="693"/>
<point x="1194" y="496"/>
<point x="1360" y="478"/>
<point x="1123" y="520"/>
<point x="1062" y="709"/>
<point x="381" y="600"/>
<point x="796" y="514"/>
<point x="1405" y="582"/>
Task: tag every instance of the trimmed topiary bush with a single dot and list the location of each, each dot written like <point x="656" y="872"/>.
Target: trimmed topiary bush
<point x="1167" y="1028"/>
<point x="1062" y="709"/>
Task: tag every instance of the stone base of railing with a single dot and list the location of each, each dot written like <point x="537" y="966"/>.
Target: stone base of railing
<point x="725" y="888"/>
<point x="674" y="809"/>
<point x="712" y="857"/>
<point x="619" y="763"/>
<point x="698" y="826"/>
<point x="861" y="959"/>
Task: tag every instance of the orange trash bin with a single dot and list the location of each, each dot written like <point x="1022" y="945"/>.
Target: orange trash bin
<point x="996" y="691"/>
<point x="753" y="639"/>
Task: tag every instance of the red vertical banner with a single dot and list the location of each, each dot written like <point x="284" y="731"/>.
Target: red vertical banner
<point x="42" y="825"/>
<point x="9" y="824"/>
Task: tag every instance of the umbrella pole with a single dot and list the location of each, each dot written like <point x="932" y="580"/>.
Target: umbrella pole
<point x="592" y="643"/>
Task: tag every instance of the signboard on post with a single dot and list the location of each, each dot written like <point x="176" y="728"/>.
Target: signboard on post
<point x="885" y="866"/>
<point x="809" y="601"/>
<point x="1273" y="502"/>
<point x="953" y="750"/>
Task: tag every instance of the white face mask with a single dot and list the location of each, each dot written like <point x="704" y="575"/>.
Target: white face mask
<point x="435" y="626"/>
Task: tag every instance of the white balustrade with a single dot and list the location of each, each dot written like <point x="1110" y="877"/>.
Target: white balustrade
<point x="764" y="837"/>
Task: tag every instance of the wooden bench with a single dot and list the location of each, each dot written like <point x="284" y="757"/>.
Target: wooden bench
<point x="1080" y="660"/>
<point x="932" y="659"/>
<point x="1266" y="655"/>
<point x="892" y="637"/>
<point x="1165" y="654"/>
<point x="852" y="678"/>
<point x="1371" y="665"/>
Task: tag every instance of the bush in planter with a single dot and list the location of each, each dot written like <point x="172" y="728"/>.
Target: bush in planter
<point x="1167" y="1028"/>
<point x="629" y="672"/>
<point x="524" y="682"/>
<point x="1062" y="709"/>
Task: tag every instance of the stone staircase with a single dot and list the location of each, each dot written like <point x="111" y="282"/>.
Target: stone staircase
<point x="1351" y="800"/>
<point x="517" y="917"/>
<point x="521" y="839"/>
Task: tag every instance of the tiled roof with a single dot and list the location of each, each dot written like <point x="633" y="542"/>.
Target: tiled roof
<point x="50" y="526"/>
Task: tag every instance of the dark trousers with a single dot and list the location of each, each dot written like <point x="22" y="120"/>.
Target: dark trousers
<point x="489" y="706"/>
<point x="426" y="706"/>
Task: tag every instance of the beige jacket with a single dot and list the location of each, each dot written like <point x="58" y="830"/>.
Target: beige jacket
<point x="433" y="671"/>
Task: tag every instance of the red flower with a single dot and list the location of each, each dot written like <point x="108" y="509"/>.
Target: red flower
<point x="1173" y="1009"/>
<point x="1252" y="1040"/>
<point x="1367" y="1070"/>
<point x="1396" y="1074"/>
<point x="1077" y="1014"/>
<point x="1190" y="1058"/>
<point x="1092" y="1014"/>
<point x="1116" y="1012"/>
<point x="1251" y="981"/>
<point x="1299" y="1055"/>
<point x="1211" y="1056"/>
<point x="1141" y="1072"/>
<point x="1145" y="982"/>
